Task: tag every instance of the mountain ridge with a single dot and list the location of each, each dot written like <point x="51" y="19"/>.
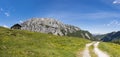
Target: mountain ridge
<point x="109" y="37"/>
<point x="55" y="27"/>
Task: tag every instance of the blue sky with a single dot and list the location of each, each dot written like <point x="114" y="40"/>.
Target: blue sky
<point x="96" y="16"/>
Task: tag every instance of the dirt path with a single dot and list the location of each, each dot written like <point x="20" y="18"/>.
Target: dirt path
<point x="86" y="51"/>
<point x="98" y="52"/>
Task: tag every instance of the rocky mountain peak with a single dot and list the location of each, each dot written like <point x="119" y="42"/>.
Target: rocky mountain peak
<point x="52" y="26"/>
<point x="45" y="21"/>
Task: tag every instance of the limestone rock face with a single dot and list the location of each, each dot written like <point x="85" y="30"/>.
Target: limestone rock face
<point x="50" y="26"/>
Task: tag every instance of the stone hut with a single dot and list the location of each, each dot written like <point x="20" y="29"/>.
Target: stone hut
<point x="16" y="26"/>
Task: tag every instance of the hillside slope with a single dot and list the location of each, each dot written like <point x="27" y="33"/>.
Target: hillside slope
<point x="109" y="37"/>
<point x="112" y="49"/>
<point x="112" y="37"/>
<point x="19" y="43"/>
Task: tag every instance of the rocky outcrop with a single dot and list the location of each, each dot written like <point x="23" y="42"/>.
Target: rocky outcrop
<point x="52" y="26"/>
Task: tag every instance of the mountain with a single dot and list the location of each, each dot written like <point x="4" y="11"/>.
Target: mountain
<point x="98" y="37"/>
<point x="55" y="27"/>
<point x="110" y="37"/>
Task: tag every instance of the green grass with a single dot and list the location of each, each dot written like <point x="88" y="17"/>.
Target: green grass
<point x="19" y="43"/>
<point x="92" y="53"/>
<point x="112" y="49"/>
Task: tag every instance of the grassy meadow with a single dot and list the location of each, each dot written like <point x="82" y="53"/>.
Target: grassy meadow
<point x="19" y="43"/>
<point x="112" y="49"/>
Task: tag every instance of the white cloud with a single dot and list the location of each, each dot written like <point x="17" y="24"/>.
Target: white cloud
<point x="4" y="12"/>
<point x="95" y="15"/>
<point x="7" y="14"/>
<point x="5" y="26"/>
<point x="113" y="23"/>
<point x="1" y="9"/>
<point x="21" y="21"/>
<point x="99" y="15"/>
<point x="116" y="2"/>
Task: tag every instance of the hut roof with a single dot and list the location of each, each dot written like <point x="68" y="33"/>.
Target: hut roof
<point x="17" y="25"/>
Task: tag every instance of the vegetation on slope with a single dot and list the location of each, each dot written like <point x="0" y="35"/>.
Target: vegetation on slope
<point x="81" y="34"/>
<point x="109" y="37"/>
<point x="19" y="43"/>
<point x="112" y="49"/>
